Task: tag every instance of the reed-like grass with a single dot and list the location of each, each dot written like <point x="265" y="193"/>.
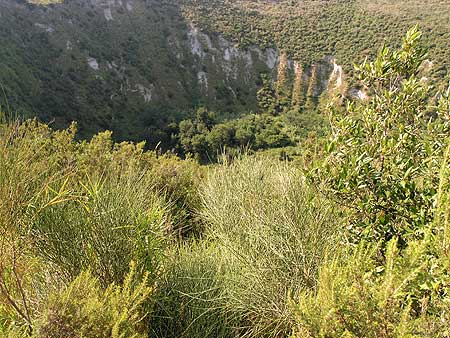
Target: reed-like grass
<point x="271" y="232"/>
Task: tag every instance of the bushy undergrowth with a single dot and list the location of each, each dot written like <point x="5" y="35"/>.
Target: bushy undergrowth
<point x="405" y="293"/>
<point x="85" y="309"/>
<point x="191" y="296"/>
<point x="112" y="222"/>
<point x="265" y="235"/>
<point x="68" y="207"/>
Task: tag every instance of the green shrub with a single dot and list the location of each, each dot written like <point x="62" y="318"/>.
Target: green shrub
<point x="403" y="294"/>
<point x="388" y="163"/>
<point x="113" y="221"/>
<point x="178" y="182"/>
<point x="385" y="152"/>
<point x="84" y="309"/>
<point x="69" y="206"/>
<point x="174" y="180"/>
<point x="357" y="296"/>
<point x="28" y="166"/>
<point x="190" y="299"/>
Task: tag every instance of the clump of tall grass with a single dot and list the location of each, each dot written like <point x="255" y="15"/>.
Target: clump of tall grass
<point x="28" y="166"/>
<point x="191" y="297"/>
<point x="272" y="232"/>
<point x="112" y="221"/>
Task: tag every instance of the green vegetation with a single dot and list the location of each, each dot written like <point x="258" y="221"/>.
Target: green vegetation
<point x="139" y="69"/>
<point x="310" y="30"/>
<point x="104" y="239"/>
<point x="388" y="164"/>
<point x="385" y="154"/>
<point x="85" y="309"/>
<point x="205" y="139"/>
<point x="125" y="68"/>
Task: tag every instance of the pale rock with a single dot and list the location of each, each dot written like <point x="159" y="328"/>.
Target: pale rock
<point x="92" y="63"/>
<point x="47" y="28"/>
<point x="272" y="57"/>
<point x="147" y="93"/>
<point x="202" y="79"/>
<point x="108" y="14"/>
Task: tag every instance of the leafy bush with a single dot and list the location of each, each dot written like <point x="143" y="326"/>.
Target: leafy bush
<point x="404" y="294"/>
<point x="388" y="162"/>
<point x="385" y="153"/>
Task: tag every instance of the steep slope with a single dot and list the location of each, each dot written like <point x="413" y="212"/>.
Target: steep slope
<point x="130" y="66"/>
<point x="139" y="66"/>
<point x="308" y="30"/>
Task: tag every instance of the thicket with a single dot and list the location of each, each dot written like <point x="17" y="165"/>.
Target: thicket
<point x="206" y="140"/>
<point x="388" y="165"/>
<point x="69" y="208"/>
<point x="101" y="239"/>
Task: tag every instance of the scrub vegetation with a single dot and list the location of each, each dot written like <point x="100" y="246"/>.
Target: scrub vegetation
<point x="349" y="238"/>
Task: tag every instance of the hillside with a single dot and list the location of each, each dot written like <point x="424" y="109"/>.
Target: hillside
<point x="129" y="67"/>
<point x="310" y="30"/>
<point x="139" y="67"/>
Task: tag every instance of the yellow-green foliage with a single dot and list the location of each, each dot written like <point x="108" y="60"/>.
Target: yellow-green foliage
<point x="357" y="296"/>
<point x="442" y="212"/>
<point x="192" y="294"/>
<point x="84" y="309"/>
<point x="68" y="207"/>
<point x="271" y="230"/>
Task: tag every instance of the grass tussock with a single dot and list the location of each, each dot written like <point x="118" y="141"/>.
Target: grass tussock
<point x="272" y="231"/>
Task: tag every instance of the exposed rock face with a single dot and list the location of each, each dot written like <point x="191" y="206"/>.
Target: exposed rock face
<point x="123" y="60"/>
<point x="92" y="62"/>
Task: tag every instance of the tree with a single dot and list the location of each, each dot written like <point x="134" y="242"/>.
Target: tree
<point x="384" y="153"/>
<point x="266" y="96"/>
